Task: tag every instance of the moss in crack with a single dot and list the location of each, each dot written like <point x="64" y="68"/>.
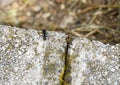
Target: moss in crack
<point x="66" y="79"/>
<point x="61" y="76"/>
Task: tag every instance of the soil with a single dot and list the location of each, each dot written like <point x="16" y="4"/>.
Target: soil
<point x="94" y="19"/>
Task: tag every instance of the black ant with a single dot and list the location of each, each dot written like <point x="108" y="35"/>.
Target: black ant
<point x="44" y="34"/>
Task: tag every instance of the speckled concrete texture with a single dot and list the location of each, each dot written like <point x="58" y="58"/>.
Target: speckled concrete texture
<point x="93" y="63"/>
<point x="27" y="59"/>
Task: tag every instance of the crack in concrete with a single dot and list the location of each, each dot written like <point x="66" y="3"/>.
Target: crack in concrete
<point x="68" y="40"/>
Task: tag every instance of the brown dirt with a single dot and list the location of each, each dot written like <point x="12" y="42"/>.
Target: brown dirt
<point x="94" y="19"/>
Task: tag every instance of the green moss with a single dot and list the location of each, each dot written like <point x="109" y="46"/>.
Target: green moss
<point x="61" y="76"/>
<point x="0" y="58"/>
<point x="39" y="32"/>
<point x="36" y="53"/>
<point x="29" y="66"/>
<point x="9" y="47"/>
<point x="9" y="58"/>
<point x="10" y="36"/>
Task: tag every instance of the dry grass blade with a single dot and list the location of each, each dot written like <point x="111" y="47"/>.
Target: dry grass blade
<point x="91" y="28"/>
<point x="98" y="6"/>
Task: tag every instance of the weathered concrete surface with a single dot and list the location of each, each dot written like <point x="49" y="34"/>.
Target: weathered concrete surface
<point x="92" y="63"/>
<point x="26" y="59"/>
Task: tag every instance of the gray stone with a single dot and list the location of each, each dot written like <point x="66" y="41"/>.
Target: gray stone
<point x="93" y="63"/>
<point x="27" y="59"/>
